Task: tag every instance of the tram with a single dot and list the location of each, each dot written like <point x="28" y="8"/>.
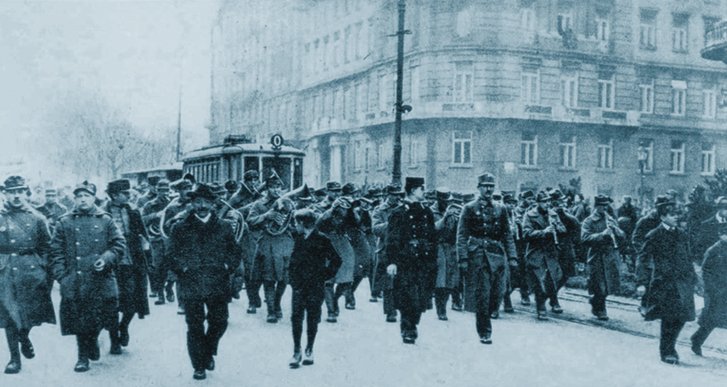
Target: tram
<point x="170" y="172"/>
<point x="238" y="154"/>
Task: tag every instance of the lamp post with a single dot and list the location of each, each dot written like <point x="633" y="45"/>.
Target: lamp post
<point x="642" y="155"/>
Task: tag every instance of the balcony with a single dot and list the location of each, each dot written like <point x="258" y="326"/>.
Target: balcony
<point x="715" y="43"/>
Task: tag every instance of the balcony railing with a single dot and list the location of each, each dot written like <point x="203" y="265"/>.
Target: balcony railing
<point x="715" y="43"/>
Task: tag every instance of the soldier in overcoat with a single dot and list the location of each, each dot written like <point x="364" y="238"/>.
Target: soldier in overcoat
<point x="602" y="237"/>
<point x="362" y="251"/>
<point x="411" y="257"/>
<point x="175" y="211"/>
<point x="714" y="273"/>
<point x="24" y="272"/>
<point x="671" y="291"/>
<point x="446" y="216"/>
<point x="131" y="269"/>
<point x="85" y="249"/>
<point x="51" y="209"/>
<point x="203" y="253"/>
<point x="644" y="267"/>
<point x="383" y="283"/>
<point x="151" y="216"/>
<point x="484" y="246"/>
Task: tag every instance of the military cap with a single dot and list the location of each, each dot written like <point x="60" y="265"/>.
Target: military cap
<point x="466" y="198"/>
<point x="413" y="182"/>
<point x="15" y="182"/>
<point x="456" y="197"/>
<point x="51" y="192"/>
<point x="602" y="200"/>
<point x="542" y="197"/>
<point x="349" y="189"/>
<point x="663" y="201"/>
<point x="217" y="188"/>
<point x="305" y="217"/>
<point x="508" y="197"/>
<point x="333" y="186"/>
<point x="373" y="193"/>
<point x="250" y="175"/>
<point x="320" y="192"/>
<point x="181" y="185"/>
<point x="394" y="189"/>
<point x="273" y="180"/>
<point x="231" y="185"/>
<point x="85" y="187"/>
<point x="153" y="180"/>
<point x="627" y="198"/>
<point x="430" y="195"/>
<point x="306" y="194"/>
<point x="721" y="202"/>
<point x="497" y="196"/>
<point x="163" y="183"/>
<point x="190" y="177"/>
<point x="443" y="193"/>
<point x="487" y="179"/>
<point x="527" y="195"/>
<point x="117" y="186"/>
<point x="203" y="191"/>
<point x="555" y="195"/>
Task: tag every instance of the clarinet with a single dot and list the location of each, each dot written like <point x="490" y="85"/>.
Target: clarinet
<point x="609" y="221"/>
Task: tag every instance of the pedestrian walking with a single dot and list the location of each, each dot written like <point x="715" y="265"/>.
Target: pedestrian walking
<point x="714" y="273"/>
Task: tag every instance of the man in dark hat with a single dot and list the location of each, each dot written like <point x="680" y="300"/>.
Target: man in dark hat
<point x="446" y="216"/>
<point x="87" y="245"/>
<point x="270" y="216"/>
<point x="231" y="187"/>
<point x="671" y="294"/>
<point x="333" y="191"/>
<point x="204" y="254"/>
<point x="380" y="220"/>
<point x="484" y="246"/>
<point x="411" y="257"/>
<point x="602" y="237"/>
<point x="25" y="290"/>
<point x="152" y="214"/>
<point x="644" y="264"/>
<point x="175" y="211"/>
<point x="131" y="268"/>
<point x="51" y="209"/>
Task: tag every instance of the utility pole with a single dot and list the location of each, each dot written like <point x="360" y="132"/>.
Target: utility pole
<point x="399" y="108"/>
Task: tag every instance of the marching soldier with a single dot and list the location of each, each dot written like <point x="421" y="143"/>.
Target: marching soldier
<point x="24" y="278"/>
<point x="380" y="220"/>
<point x="359" y="242"/>
<point x="602" y="237"/>
<point x="411" y="257"/>
<point x="520" y="244"/>
<point x="203" y="254"/>
<point x="234" y="218"/>
<point x="484" y="244"/>
<point x="151" y="216"/>
<point x="271" y="215"/>
<point x="85" y="249"/>
<point x="131" y="269"/>
<point x="51" y="209"/>
<point x="175" y="211"/>
<point x="446" y="215"/>
<point x="247" y="193"/>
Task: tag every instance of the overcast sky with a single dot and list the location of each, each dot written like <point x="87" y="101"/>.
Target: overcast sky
<point x="134" y="54"/>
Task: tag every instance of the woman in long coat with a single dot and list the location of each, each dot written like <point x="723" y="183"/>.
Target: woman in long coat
<point x="714" y="273"/>
<point x="671" y="290"/>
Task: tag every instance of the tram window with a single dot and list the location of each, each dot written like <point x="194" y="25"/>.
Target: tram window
<point x="297" y="172"/>
<point x="252" y="164"/>
<point x="281" y="165"/>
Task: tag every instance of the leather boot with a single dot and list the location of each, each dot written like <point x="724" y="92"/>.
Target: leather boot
<point x="12" y="336"/>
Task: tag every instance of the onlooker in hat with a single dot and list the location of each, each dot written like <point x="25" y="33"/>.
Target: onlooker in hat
<point x="714" y="274"/>
<point x="131" y="267"/>
<point x="411" y="257"/>
<point x="602" y="236"/>
<point x="25" y="242"/>
<point x="204" y="254"/>
<point x="51" y="209"/>
<point x="383" y="284"/>
<point x="446" y="217"/>
<point x="86" y="248"/>
<point x="175" y="211"/>
<point x="484" y="247"/>
<point x="152" y="216"/>
<point x="671" y="290"/>
<point x="312" y="262"/>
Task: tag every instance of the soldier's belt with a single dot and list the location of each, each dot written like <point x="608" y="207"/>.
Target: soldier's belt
<point x="17" y="251"/>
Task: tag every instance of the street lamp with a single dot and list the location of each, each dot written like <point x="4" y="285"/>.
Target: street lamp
<point x="642" y="155"/>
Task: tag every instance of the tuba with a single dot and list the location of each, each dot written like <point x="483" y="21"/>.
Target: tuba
<point x="284" y="206"/>
<point x="238" y="223"/>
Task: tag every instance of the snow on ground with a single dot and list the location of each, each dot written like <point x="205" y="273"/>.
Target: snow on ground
<point x="363" y="350"/>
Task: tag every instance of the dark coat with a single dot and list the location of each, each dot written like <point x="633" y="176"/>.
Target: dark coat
<point x="131" y="271"/>
<point x="447" y="268"/>
<point x="604" y="260"/>
<point x="541" y="253"/>
<point x="24" y="269"/>
<point x="411" y="246"/>
<point x="88" y="297"/>
<point x="272" y="257"/>
<point x="52" y="211"/>
<point x="671" y="290"/>
<point x="708" y="235"/>
<point x="338" y="226"/>
<point x="714" y="273"/>
<point x="379" y="224"/>
<point x="203" y="256"/>
<point x="313" y="262"/>
<point x="644" y="266"/>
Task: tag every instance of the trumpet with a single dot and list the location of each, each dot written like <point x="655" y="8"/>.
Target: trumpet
<point x="557" y="225"/>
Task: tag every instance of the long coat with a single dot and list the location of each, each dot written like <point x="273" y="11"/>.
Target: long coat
<point x="604" y="260"/>
<point x="313" y="262"/>
<point x="338" y="226"/>
<point x="379" y="224"/>
<point x="24" y="269"/>
<point x="714" y="273"/>
<point x="671" y="290"/>
<point x="411" y="245"/>
<point x="541" y="253"/>
<point x="131" y="271"/>
<point x="203" y="256"/>
<point x="447" y="268"/>
<point x="272" y="257"/>
<point x="89" y="298"/>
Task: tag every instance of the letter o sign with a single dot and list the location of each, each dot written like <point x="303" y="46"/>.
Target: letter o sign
<point x="276" y="141"/>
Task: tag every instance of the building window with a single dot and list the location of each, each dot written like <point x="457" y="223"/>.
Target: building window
<point x="648" y="146"/>
<point x="569" y="91"/>
<point x="679" y="36"/>
<point x="385" y="89"/>
<point x="414" y="77"/>
<point x="462" y="147"/>
<point x="603" y="29"/>
<point x="678" y="98"/>
<point x="677" y="157"/>
<point x="347" y="45"/>
<point x="381" y="156"/>
<point x="710" y="103"/>
<point x="531" y="87"/>
<point x="413" y="152"/>
<point x="647" y="29"/>
<point x="647" y="97"/>
<point x="708" y="155"/>
<point x="565" y="22"/>
<point x="605" y="154"/>
<point x="606" y="92"/>
<point x="366" y="158"/>
<point x="527" y="20"/>
<point x="529" y="150"/>
<point x="336" y="52"/>
<point x="357" y="156"/>
<point x="463" y="82"/>
<point x="568" y="153"/>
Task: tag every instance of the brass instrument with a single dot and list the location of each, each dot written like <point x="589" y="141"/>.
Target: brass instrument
<point x="154" y="230"/>
<point x="453" y="210"/>
<point x="239" y="225"/>
<point x="284" y="206"/>
<point x="610" y="222"/>
<point x="514" y="229"/>
<point x="556" y="224"/>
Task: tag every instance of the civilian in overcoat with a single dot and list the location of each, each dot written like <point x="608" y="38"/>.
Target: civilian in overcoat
<point x="714" y="273"/>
